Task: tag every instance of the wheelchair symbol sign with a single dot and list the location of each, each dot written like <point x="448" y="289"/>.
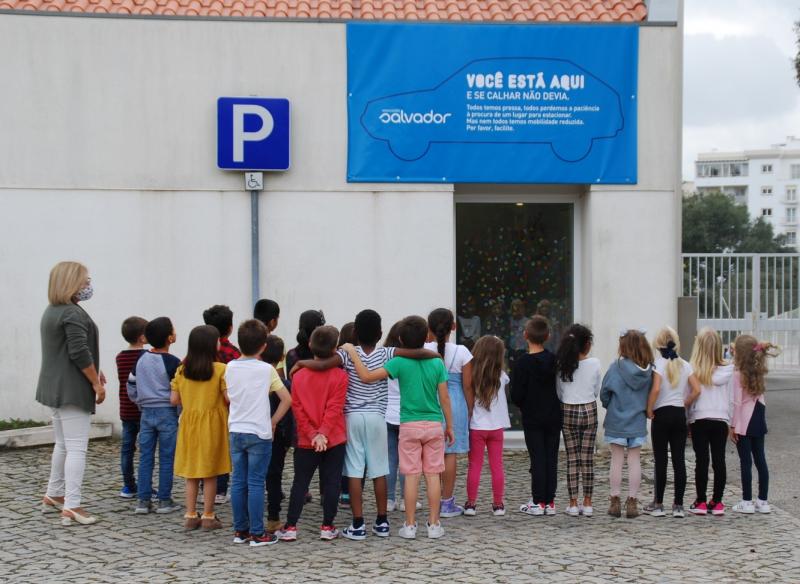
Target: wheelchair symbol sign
<point x="254" y="181"/>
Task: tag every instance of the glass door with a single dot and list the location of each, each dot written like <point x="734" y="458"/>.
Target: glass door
<point x="513" y="260"/>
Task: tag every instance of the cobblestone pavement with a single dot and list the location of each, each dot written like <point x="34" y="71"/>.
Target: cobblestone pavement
<point x="123" y="547"/>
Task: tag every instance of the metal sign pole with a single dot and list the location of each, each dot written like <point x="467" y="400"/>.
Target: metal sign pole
<point x="254" y="247"/>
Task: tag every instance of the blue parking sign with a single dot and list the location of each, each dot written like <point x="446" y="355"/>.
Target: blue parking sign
<point x="252" y="133"/>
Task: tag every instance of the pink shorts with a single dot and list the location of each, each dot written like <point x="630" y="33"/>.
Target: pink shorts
<point x="421" y="448"/>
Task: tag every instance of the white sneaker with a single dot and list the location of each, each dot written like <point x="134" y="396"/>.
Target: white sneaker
<point x="763" y="506"/>
<point x="550" y="508"/>
<point x="586" y="510"/>
<point x="408" y="531"/>
<point x="435" y="531"/>
<point x="572" y="510"/>
<point x="532" y="508"/>
<point x="391" y="505"/>
<point x="747" y="507"/>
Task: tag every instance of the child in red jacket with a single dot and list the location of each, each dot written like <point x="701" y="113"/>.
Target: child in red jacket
<point x="318" y="407"/>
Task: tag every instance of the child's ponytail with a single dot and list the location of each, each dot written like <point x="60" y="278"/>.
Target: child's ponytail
<point x="576" y="340"/>
<point x="668" y="345"/>
<point x="750" y="358"/>
<point x="309" y="320"/>
<point x="440" y="323"/>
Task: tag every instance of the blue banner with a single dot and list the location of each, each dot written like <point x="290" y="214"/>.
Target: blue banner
<point x="492" y="103"/>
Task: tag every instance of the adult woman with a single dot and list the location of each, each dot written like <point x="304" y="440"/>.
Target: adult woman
<point x="71" y="383"/>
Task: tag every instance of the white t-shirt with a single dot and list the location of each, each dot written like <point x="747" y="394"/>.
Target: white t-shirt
<point x="669" y="395"/>
<point x="496" y="417"/>
<point x="585" y="385"/>
<point x="249" y="382"/>
<point x="455" y="356"/>
<point x="393" y="402"/>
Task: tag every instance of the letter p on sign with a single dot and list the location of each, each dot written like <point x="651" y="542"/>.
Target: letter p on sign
<point x="252" y="133"/>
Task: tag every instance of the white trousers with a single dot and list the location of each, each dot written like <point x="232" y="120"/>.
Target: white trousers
<point x="71" y="427"/>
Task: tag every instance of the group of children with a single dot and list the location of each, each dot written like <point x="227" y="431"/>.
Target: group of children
<point x="355" y="410"/>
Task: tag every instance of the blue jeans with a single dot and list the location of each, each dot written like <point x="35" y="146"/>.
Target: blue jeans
<point x="130" y="430"/>
<point x="393" y="435"/>
<point x="751" y="449"/>
<point x="250" y="457"/>
<point x="158" y="425"/>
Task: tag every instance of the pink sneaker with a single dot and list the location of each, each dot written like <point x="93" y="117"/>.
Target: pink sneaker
<point x="717" y="508"/>
<point x="698" y="508"/>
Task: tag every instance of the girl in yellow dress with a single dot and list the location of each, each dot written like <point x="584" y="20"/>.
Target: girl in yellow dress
<point x="202" y="450"/>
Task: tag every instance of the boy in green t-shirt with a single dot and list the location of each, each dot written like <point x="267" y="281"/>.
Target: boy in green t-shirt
<point x="423" y="402"/>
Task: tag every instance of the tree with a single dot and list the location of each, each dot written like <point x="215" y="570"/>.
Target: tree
<point x="797" y="56"/>
<point x="713" y="223"/>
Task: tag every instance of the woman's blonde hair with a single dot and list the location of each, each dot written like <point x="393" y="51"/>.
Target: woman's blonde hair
<point x="665" y="343"/>
<point x="706" y="354"/>
<point x="487" y="368"/>
<point x="750" y="358"/>
<point x="66" y="280"/>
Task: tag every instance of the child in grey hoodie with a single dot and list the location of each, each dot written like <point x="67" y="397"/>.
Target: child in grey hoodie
<point x="625" y="389"/>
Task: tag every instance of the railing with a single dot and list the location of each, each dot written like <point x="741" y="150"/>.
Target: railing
<point x="757" y="294"/>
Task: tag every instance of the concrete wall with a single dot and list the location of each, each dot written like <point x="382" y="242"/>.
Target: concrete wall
<point x="108" y="156"/>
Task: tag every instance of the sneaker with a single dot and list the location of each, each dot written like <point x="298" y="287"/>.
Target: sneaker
<point x="677" y="511"/>
<point x="391" y="505"/>
<point x="763" y="506"/>
<point x="572" y="510"/>
<point x="747" y="507"/>
<point x="448" y="508"/>
<point x="550" y="508"/>
<point x="328" y="532"/>
<point x="210" y="523"/>
<point x="632" y="508"/>
<point x="288" y="533"/>
<point x="221" y="499"/>
<point x="241" y="537"/>
<point x="436" y="530"/>
<point x="654" y="509"/>
<point x="408" y="531"/>
<point x="698" y="508"/>
<point x="344" y="500"/>
<point x="190" y="523"/>
<point x="497" y="510"/>
<point x="586" y="510"/>
<point x="401" y="506"/>
<point x="167" y="506"/>
<point x="532" y="508"/>
<point x="143" y="507"/>
<point x="469" y="509"/>
<point x="381" y="529"/>
<point x="615" y="507"/>
<point x="355" y="533"/>
<point x="127" y="493"/>
<point x="262" y="540"/>
<point x="717" y="508"/>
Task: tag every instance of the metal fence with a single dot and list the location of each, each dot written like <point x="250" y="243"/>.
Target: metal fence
<point x="757" y="294"/>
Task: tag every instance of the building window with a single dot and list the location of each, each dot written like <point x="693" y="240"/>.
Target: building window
<point x="791" y="215"/>
<point x="795" y="170"/>
<point x="766" y="191"/>
<point x="791" y="194"/>
<point x="766" y="168"/>
<point x="766" y="212"/>
<point x="791" y="237"/>
<point x="718" y="169"/>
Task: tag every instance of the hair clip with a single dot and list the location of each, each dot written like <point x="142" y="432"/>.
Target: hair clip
<point x="759" y="348"/>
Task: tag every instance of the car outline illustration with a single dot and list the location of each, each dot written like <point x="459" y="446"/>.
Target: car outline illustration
<point x="415" y="139"/>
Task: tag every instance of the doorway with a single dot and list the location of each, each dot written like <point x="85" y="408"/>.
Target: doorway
<point x="514" y="259"/>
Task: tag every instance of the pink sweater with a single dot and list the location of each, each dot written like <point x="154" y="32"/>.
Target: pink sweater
<point x="744" y="403"/>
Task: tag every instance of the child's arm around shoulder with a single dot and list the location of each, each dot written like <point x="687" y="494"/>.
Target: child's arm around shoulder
<point x="334" y="360"/>
<point x="416" y="353"/>
<point x="363" y="373"/>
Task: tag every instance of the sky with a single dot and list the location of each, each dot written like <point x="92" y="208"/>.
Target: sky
<point x="739" y="90"/>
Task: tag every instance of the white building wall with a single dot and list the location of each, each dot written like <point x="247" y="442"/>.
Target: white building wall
<point x="109" y="157"/>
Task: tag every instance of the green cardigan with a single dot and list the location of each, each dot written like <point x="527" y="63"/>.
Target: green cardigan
<point x="69" y="344"/>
